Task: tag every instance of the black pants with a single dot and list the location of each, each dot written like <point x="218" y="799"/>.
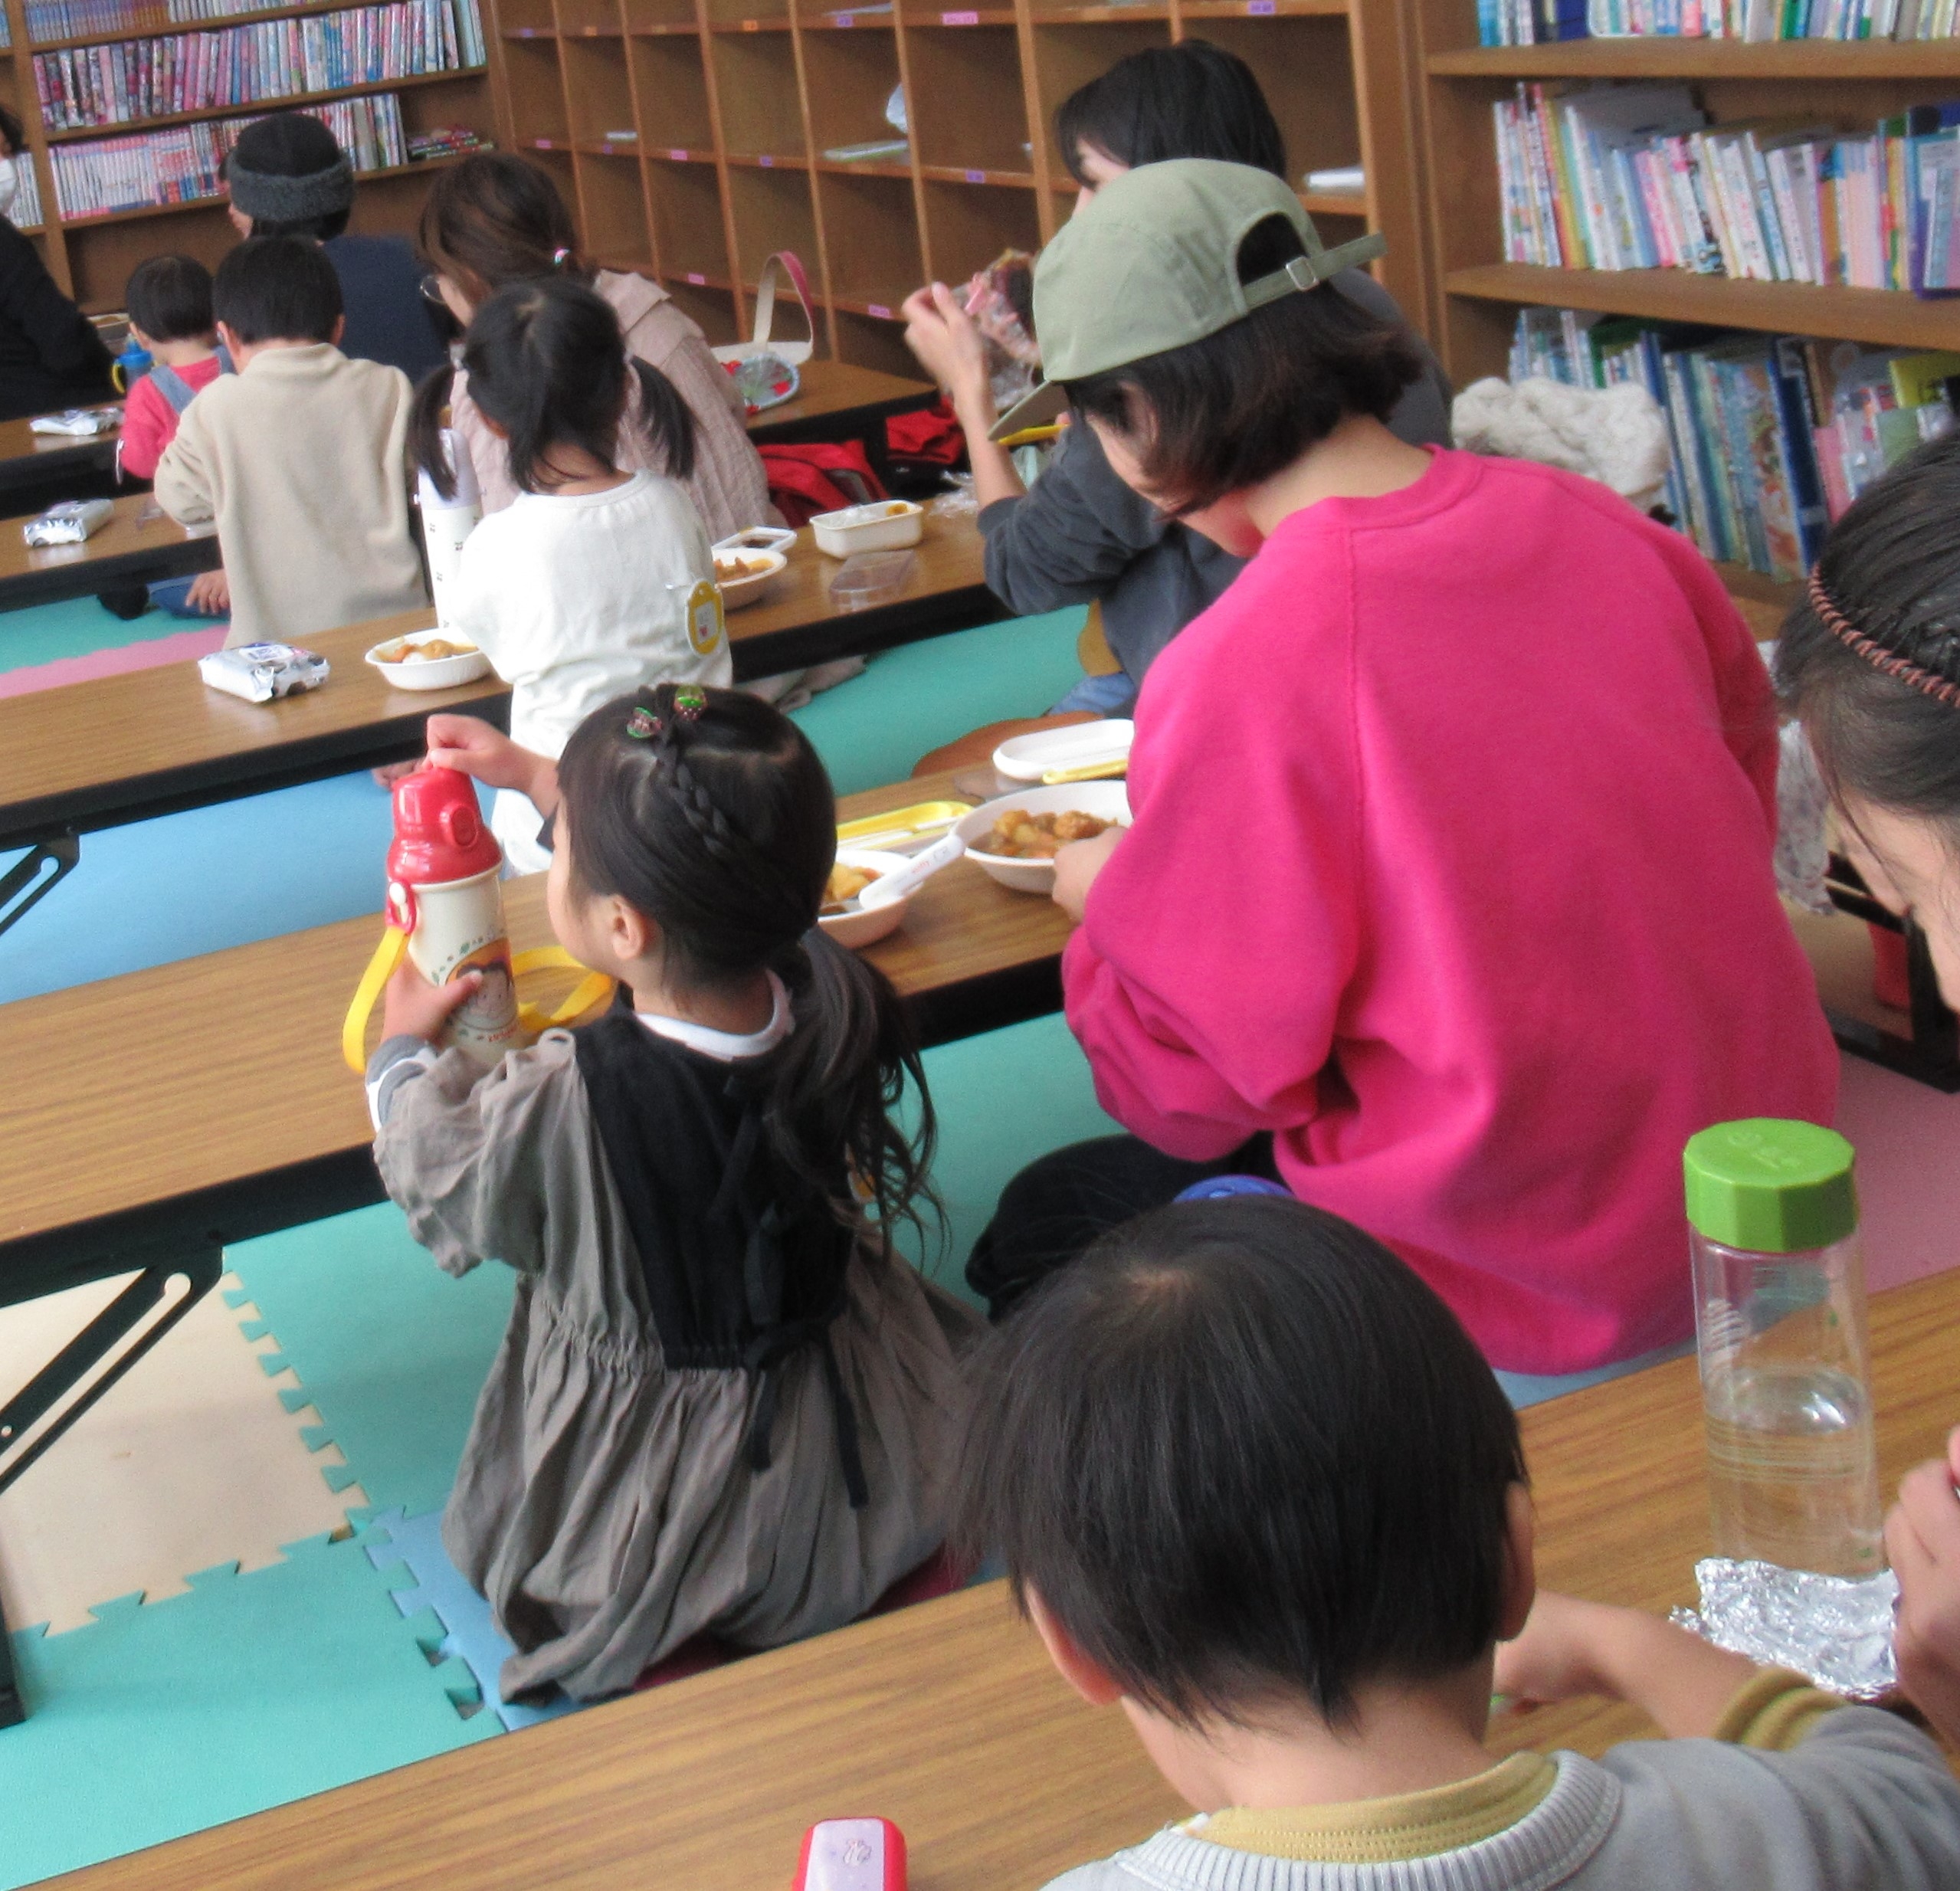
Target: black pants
<point x="1055" y="1207"/>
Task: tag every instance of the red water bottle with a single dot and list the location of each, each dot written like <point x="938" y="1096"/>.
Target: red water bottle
<point x="444" y="892"/>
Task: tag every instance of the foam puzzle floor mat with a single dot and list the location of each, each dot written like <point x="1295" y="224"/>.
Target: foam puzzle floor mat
<point x="162" y="1718"/>
<point x="199" y="1456"/>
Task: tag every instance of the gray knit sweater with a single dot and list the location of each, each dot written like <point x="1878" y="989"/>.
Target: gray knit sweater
<point x="1866" y="1803"/>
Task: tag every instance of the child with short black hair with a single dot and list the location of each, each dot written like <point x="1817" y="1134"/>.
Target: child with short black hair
<point x="298" y="457"/>
<point x="169" y="298"/>
<point x="599" y="577"/>
<point x="1252" y="1480"/>
<point x="724" y="1403"/>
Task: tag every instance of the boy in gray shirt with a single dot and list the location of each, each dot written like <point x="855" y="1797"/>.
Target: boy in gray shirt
<point x="1254" y="1483"/>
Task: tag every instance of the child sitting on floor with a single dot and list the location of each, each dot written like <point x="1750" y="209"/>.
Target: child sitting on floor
<point x="724" y="1403"/>
<point x="1252" y="1481"/>
<point x="299" y="457"/>
<point x="597" y="580"/>
<point x="169" y="298"/>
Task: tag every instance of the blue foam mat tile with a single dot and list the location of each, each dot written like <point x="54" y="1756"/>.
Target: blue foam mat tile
<point x="245" y="1692"/>
<point x="402" y="1546"/>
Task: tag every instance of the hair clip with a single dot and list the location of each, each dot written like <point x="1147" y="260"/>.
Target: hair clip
<point x="689" y="702"/>
<point x="558" y="258"/>
<point x="643" y="725"/>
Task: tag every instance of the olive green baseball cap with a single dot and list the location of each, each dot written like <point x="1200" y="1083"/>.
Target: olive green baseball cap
<point x="1150" y="263"/>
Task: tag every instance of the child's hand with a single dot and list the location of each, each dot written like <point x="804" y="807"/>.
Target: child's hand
<point x="413" y="1008"/>
<point x="473" y="747"/>
<point x="1555" y="1657"/>
<point x="1076" y="868"/>
<point x="211" y="592"/>
<point x="950" y="348"/>
<point x="1922" y="1538"/>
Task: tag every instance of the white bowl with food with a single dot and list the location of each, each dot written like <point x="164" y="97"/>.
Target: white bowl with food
<point x="885" y="525"/>
<point x="429" y="659"/>
<point x="1021" y="852"/>
<point x="841" y="916"/>
<point x="745" y="576"/>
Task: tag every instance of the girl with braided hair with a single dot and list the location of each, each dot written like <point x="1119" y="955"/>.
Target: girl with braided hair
<point x="724" y="1406"/>
<point x="1869" y="662"/>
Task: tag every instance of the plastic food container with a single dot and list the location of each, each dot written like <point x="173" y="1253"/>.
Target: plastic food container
<point x="885" y="525"/>
<point x="433" y="673"/>
<point x="756" y="538"/>
<point x="1055" y="751"/>
<point x="757" y="572"/>
<point x="868" y="577"/>
<point x="1107" y="801"/>
<point x="864" y="928"/>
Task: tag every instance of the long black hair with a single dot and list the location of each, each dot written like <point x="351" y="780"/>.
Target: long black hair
<point x="721" y="827"/>
<point x="1193" y="100"/>
<point x="1862" y="658"/>
<point x="547" y="364"/>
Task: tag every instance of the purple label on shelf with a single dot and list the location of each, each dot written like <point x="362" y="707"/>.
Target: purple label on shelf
<point x="1260" y="9"/>
<point x="543" y="144"/>
<point x="765" y="161"/>
<point x="959" y="19"/>
<point x="976" y="177"/>
<point x="699" y="282"/>
<point x="879" y="309"/>
<point x="679" y="157"/>
<point x="847" y="19"/>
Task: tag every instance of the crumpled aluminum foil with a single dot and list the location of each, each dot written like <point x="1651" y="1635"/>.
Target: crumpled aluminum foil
<point x="1836" y="1629"/>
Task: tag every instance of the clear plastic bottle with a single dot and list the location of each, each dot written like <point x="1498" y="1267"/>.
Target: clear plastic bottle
<point x="1779" y="1316"/>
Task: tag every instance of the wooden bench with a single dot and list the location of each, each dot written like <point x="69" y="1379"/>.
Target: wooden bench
<point x="947" y="1718"/>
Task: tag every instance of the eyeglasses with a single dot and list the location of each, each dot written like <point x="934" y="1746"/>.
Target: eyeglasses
<point x="432" y="288"/>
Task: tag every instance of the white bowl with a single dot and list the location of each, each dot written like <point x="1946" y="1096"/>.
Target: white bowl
<point x="885" y="525"/>
<point x="1108" y="800"/>
<point x="863" y="928"/>
<point x="438" y="672"/>
<point x="1074" y="745"/>
<point x="765" y="568"/>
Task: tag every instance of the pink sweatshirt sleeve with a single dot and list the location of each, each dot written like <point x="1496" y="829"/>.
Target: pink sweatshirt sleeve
<point x="148" y="423"/>
<point x="1205" y="1026"/>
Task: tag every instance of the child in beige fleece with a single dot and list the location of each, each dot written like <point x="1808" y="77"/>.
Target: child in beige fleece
<point x="299" y="457"/>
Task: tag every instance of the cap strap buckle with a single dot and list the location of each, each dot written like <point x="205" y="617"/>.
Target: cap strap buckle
<point x="1310" y="271"/>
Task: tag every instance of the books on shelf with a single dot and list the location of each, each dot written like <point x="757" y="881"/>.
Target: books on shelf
<point x="1635" y="177"/>
<point x="76" y="19"/>
<point x="184" y="163"/>
<point x="1539" y="22"/>
<point x="127" y="80"/>
<point x="1774" y="435"/>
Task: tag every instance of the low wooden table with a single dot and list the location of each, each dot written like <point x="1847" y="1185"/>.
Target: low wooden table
<point x="153" y="741"/>
<point x="36" y="469"/>
<point x="141" y="544"/>
<point x="947" y="1717"/>
<point x="837" y="401"/>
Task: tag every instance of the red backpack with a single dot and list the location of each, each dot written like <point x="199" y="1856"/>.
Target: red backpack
<point x="824" y="476"/>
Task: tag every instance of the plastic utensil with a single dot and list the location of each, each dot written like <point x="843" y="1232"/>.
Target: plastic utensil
<point x="875" y="831"/>
<point x="889" y="888"/>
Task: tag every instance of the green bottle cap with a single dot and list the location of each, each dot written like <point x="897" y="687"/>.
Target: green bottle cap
<point x="1772" y="1187"/>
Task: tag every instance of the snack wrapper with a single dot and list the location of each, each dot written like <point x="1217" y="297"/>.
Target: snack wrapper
<point x="1000" y="300"/>
<point x="69" y="523"/>
<point x="1836" y="1629"/>
<point x="77" y="423"/>
<point x="259" y="672"/>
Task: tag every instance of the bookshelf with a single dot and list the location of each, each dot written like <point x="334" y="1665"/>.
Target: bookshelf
<point x="90" y="254"/>
<point x="727" y="108"/>
<point x="1476" y="295"/>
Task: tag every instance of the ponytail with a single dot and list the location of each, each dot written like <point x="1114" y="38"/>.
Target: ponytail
<point x="666" y="420"/>
<point x="428" y="415"/>
<point x="834" y="1082"/>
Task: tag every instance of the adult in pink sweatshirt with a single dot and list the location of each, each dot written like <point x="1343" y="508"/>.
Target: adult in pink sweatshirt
<point x="1450" y="870"/>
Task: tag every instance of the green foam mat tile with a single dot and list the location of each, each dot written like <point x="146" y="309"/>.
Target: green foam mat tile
<point x="390" y="1350"/>
<point x="74" y="626"/>
<point x="247" y="1692"/>
<point x="873" y="728"/>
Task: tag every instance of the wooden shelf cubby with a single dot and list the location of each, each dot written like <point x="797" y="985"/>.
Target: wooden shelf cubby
<point x="735" y="102"/>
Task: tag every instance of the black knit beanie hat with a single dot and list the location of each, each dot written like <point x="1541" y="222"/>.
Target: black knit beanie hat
<point x="288" y="168"/>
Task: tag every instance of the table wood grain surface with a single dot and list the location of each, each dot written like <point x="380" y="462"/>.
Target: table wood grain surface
<point x="23" y="451"/>
<point x="105" y="745"/>
<point x="946" y="1718"/>
<point x="212" y="1070"/>
<point x="128" y="534"/>
<point x="834" y="390"/>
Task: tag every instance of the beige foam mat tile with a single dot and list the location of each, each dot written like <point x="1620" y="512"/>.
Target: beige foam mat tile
<point x="190" y="1460"/>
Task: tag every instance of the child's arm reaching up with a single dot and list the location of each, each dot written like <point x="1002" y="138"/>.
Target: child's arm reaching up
<point x="486" y="755"/>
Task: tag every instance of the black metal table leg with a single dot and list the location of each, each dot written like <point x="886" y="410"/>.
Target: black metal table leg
<point x="87" y="1367"/>
<point x="27" y="882"/>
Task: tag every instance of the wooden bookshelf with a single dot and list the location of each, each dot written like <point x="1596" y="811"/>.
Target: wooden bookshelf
<point x="91" y="255"/>
<point x="732" y="104"/>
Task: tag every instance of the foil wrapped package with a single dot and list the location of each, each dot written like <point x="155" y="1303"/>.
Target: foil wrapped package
<point x="259" y="672"/>
<point x="69" y="523"/>
<point x="1837" y="1630"/>
<point x="77" y="423"/>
